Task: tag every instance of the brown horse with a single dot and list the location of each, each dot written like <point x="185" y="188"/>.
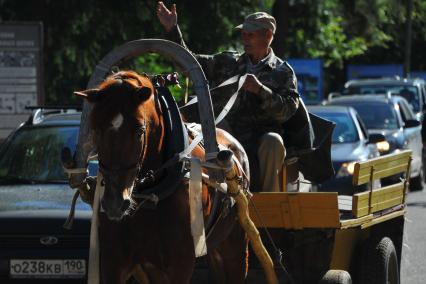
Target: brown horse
<point x="130" y="136"/>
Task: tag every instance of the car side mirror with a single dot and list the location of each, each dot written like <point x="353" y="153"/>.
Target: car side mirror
<point x="376" y="138"/>
<point x="411" y="123"/>
<point x="333" y="95"/>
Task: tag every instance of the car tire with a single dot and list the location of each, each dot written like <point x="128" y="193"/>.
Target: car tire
<point x="336" y="277"/>
<point x="424" y="171"/>
<point x="416" y="183"/>
<point x="379" y="263"/>
<point x="424" y="161"/>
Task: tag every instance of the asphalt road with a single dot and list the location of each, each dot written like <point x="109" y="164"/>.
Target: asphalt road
<point x="413" y="264"/>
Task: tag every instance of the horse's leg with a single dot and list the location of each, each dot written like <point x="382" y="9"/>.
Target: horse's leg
<point x="182" y="259"/>
<point x="140" y="276"/>
<point x="178" y="264"/>
<point x="111" y="269"/>
<point x="182" y="267"/>
<point x="177" y="238"/>
<point x="115" y="264"/>
<point x="229" y="260"/>
<point x="216" y="269"/>
<point x="155" y="275"/>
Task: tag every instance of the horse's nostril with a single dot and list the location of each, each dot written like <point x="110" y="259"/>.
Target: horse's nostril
<point x="126" y="205"/>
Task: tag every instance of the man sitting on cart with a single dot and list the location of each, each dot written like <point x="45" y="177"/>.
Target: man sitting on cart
<point x="268" y="96"/>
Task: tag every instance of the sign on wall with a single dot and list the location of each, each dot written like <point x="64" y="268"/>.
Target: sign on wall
<point x="309" y="73"/>
<point x="21" y="48"/>
<point x="364" y="71"/>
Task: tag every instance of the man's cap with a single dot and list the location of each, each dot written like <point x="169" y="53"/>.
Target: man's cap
<point x="258" y="21"/>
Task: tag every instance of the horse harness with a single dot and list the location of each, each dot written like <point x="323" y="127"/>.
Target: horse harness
<point x="105" y="170"/>
<point x="153" y="186"/>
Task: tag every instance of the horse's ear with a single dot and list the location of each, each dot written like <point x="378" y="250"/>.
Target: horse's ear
<point x="92" y="95"/>
<point x="144" y="93"/>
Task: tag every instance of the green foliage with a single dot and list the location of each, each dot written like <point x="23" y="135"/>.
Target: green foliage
<point x="333" y="45"/>
<point x="77" y="34"/>
<point x="337" y="31"/>
<point x="154" y="64"/>
<point x="208" y="26"/>
<point x="351" y="31"/>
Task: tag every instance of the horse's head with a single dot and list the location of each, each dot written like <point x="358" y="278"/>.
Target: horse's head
<point x="123" y="119"/>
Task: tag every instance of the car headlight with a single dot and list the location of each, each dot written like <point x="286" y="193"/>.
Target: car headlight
<point x="347" y="169"/>
<point x="383" y="146"/>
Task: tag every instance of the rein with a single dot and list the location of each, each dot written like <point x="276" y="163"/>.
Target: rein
<point x="145" y="189"/>
<point x="149" y="195"/>
<point x="151" y="176"/>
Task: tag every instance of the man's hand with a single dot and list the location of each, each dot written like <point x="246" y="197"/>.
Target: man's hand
<point x="252" y="84"/>
<point x="167" y="18"/>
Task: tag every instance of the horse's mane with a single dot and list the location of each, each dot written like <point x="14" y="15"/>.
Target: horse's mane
<point x="119" y="94"/>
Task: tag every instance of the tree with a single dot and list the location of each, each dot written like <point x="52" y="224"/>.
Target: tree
<point x="353" y="31"/>
<point x="79" y="33"/>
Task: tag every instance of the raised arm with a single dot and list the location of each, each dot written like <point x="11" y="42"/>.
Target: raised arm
<point x="168" y="19"/>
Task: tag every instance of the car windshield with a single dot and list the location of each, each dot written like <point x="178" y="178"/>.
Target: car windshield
<point x="375" y="115"/>
<point x="345" y="130"/>
<point x="33" y="155"/>
<point x="410" y="93"/>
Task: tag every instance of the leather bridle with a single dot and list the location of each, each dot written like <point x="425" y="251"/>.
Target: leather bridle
<point x="107" y="170"/>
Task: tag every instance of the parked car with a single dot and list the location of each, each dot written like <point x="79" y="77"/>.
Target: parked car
<point x="413" y="90"/>
<point x="392" y="117"/>
<point x="34" y="203"/>
<point x="350" y="143"/>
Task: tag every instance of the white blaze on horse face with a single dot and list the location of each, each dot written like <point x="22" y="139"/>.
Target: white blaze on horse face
<point x="117" y="121"/>
<point x="127" y="193"/>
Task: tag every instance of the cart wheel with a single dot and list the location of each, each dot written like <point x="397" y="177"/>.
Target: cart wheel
<point x="336" y="277"/>
<point x="379" y="263"/>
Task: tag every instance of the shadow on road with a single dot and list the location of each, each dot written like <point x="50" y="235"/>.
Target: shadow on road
<point x="416" y="204"/>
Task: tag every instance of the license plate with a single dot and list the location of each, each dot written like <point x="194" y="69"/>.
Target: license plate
<point x="47" y="268"/>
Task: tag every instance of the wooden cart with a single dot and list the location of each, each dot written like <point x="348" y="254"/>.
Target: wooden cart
<point x="325" y="237"/>
<point x="336" y="237"/>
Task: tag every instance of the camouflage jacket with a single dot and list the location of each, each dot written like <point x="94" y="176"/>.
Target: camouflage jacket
<point x="252" y="115"/>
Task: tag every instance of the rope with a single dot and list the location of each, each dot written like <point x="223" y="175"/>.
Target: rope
<point x="68" y="223"/>
<point x="229" y="81"/>
<point x="220" y="117"/>
<point x="214" y="225"/>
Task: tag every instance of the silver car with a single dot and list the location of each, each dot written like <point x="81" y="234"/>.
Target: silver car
<point x="413" y="90"/>
<point x="393" y="117"/>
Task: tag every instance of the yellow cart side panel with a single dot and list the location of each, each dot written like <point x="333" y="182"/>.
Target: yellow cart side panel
<point x="352" y="223"/>
<point x="295" y="210"/>
<point x="381" y="199"/>
<point x="383" y="218"/>
<point x="344" y="245"/>
<point x="383" y="166"/>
